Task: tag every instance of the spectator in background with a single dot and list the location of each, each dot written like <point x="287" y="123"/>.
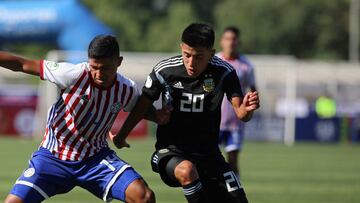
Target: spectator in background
<point x="232" y="129"/>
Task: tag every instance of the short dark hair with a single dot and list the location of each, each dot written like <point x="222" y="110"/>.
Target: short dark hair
<point x="233" y="29"/>
<point x="103" y="46"/>
<point x="198" y="35"/>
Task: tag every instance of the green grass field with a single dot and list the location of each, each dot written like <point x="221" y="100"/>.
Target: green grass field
<point x="272" y="173"/>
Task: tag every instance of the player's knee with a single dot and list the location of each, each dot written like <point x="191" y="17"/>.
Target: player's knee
<point x="149" y="196"/>
<point x="12" y="199"/>
<point x="185" y="172"/>
<point x="138" y="192"/>
<point x="146" y="196"/>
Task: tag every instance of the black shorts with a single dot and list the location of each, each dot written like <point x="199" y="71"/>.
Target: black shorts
<point x="218" y="179"/>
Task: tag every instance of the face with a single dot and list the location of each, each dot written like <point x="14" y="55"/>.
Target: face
<point x="103" y="71"/>
<point x="229" y="42"/>
<point x="196" y="59"/>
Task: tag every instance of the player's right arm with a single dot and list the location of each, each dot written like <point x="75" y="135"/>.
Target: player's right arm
<point x="150" y="92"/>
<point x="137" y="113"/>
<point x="19" y="64"/>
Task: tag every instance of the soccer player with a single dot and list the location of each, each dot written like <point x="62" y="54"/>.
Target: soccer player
<point x="192" y="86"/>
<point x="74" y="150"/>
<point x="231" y="128"/>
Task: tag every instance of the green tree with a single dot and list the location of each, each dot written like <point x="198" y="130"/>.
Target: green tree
<point x="129" y="20"/>
<point x="303" y="28"/>
<point x="165" y="34"/>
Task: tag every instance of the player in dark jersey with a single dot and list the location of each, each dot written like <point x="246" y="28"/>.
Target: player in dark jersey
<point x="192" y="87"/>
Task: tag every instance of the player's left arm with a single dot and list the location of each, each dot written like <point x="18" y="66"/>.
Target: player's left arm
<point x="251" y="79"/>
<point x="244" y="106"/>
<point x="19" y="64"/>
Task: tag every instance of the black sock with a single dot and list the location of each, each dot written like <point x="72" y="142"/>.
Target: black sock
<point x="194" y="192"/>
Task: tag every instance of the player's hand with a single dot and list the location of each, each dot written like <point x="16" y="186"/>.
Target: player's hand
<point x="251" y="101"/>
<point x="163" y="116"/>
<point x="111" y="136"/>
<point x="122" y="144"/>
<point x="119" y="143"/>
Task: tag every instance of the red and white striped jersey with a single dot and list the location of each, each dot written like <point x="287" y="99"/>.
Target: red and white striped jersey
<point x="79" y="122"/>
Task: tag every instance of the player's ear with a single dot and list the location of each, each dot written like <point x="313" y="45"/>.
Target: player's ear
<point x="213" y="51"/>
<point x="119" y="60"/>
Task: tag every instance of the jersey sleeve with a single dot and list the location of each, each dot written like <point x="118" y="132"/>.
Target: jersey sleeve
<point x="61" y="74"/>
<point x="134" y="96"/>
<point x="251" y="77"/>
<point x="152" y="88"/>
<point x="232" y="87"/>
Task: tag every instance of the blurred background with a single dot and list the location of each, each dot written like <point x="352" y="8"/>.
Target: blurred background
<point x="301" y="146"/>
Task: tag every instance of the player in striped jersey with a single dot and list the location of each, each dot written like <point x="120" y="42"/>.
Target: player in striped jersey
<point x="74" y="151"/>
<point x="231" y="129"/>
<point x="193" y="85"/>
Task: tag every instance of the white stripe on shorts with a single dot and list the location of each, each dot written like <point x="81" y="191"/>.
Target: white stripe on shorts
<point x="35" y="187"/>
<point x="112" y="181"/>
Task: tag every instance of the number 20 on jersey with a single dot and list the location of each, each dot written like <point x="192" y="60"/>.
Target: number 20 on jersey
<point x="192" y="102"/>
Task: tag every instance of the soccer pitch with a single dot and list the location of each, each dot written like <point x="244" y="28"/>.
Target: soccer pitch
<point x="272" y="173"/>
